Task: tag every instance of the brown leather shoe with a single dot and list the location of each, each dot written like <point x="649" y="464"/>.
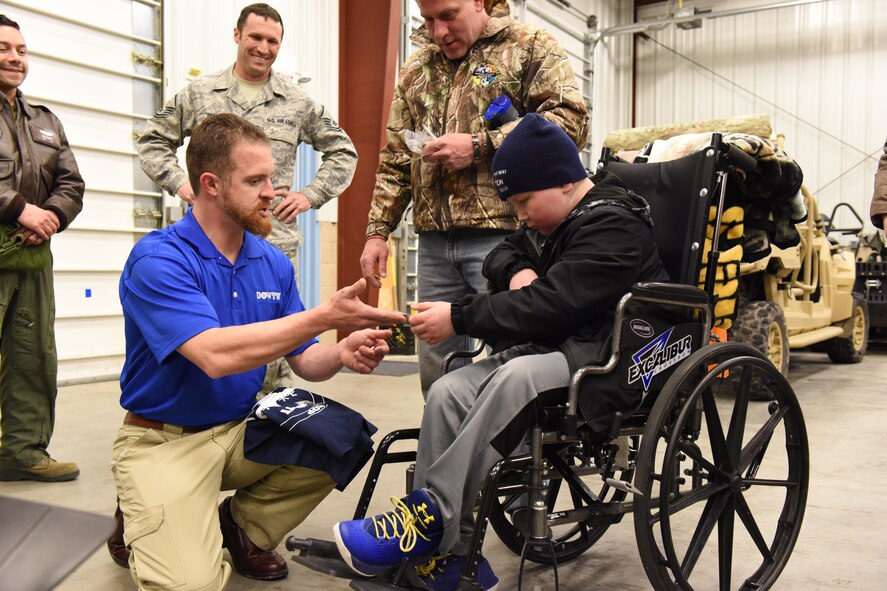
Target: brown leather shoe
<point x="46" y="470"/>
<point x="248" y="559"/>
<point x="116" y="546"/>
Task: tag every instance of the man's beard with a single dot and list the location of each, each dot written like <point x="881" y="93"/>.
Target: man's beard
<point x="250" y="220"/>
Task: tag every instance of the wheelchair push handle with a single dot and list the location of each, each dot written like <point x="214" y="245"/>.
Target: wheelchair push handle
<point x="738" y="158"/>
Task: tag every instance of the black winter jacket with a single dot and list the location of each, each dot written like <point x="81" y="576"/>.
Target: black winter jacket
<point x="585" y="266"/>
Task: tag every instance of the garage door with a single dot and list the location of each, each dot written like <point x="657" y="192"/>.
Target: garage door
<point x="97" y="69"/>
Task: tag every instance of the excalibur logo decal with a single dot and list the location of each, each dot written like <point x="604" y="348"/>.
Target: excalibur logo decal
<point x="657" y="356"/>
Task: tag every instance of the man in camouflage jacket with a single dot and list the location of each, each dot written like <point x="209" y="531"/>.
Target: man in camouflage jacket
<point x="286" y="114"/>
<point x="471" y="52"/>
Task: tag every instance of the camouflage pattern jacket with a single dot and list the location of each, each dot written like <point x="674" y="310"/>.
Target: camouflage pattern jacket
<point x="286" y="114"/>
<point x="37" y="165"/>
<point x="445" y="96"/>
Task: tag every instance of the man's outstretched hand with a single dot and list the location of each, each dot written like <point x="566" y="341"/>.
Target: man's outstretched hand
<point x="345" y="310"/>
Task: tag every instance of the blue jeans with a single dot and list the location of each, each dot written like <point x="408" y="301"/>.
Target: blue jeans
<point x="450" y="266"/>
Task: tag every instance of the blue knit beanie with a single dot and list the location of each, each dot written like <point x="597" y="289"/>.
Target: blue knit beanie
<point x="535" y="155"/>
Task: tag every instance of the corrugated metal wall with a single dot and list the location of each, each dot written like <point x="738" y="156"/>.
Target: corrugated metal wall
<point x="93" y="69"/>
<point x="817" y="69"/>
<point x="603" y="69"/>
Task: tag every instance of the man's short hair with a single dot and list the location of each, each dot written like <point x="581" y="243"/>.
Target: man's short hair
<point x="260" y="9"/>
<point x="5" y="21"/>
<point x="212" y="143"/>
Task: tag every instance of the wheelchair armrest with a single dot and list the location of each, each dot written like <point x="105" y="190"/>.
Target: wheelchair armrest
<point x="675" y="293"/>
<point x="461" y="354"/>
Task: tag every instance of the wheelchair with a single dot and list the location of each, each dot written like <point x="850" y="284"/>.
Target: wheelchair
<point x="702" y="459"/>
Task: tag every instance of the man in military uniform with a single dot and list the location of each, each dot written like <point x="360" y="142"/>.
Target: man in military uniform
<point x="287" y="115"/>
<point x="42" y="192"/>
<point x="471" y="52"/>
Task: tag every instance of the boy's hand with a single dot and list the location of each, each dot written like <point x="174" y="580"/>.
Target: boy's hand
<point x="433" y="324"/>
<point x="522" y="278"/>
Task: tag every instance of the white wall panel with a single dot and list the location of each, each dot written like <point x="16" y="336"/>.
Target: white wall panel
<point x="91" y="129"/>
<point x="77" y="250"/>
<point x="81" y="66"/>
<point x="816" y="68"/>
<point x="106" y="211"/>
<point x="88" y="293"/>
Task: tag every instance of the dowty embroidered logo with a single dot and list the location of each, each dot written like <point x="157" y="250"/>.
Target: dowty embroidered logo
<point x="657" y="356"/>
<point x="268" y="295"/>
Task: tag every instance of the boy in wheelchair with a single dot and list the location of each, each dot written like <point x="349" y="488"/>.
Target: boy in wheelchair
<point x="555" y="284"/>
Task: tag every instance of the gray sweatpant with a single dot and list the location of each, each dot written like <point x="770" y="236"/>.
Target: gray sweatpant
<point x="464" y="412"/>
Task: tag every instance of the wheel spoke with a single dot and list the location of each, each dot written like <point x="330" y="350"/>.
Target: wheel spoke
<point x="688" y="500"/>
<point x="744" y="512"/>
<point x="740" y="413"/>
<point x="714" y="506"/>
<point x="725" y="546"/>
<point x="716" y="432"/>
<point x="768" y="482"/>
<point x="758" y="444"/>
<point x="694" y="453"/>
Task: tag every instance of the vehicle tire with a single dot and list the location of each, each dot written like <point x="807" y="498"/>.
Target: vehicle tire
<point x="852" y="349"/>
<point x="762" y="326"/>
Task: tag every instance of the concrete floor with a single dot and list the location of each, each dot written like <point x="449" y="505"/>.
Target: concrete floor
<point x="841" y="542"/>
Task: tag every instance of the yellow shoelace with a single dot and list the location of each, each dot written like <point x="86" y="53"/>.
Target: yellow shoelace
<point x="409" y="520"/>
<point x="427" y="569"/>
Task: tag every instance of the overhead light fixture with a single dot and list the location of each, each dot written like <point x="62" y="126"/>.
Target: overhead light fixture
<point x="686" y="25"/>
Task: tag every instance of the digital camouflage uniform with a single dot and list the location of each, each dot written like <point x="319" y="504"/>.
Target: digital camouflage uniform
<point x="289" y="117"/>
<point x="457" y="213"/>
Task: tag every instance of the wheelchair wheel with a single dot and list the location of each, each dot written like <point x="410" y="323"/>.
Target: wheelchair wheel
<point x="568" y="488"/>
<point x="724" y="482"/>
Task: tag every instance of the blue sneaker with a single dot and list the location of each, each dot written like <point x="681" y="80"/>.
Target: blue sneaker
<point x="445" y="573"/>
<point x="375" y="544"/>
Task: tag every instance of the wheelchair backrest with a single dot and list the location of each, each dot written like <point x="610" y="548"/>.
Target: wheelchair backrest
<point x="680" y="193"/>
<point x="653" y="340"/>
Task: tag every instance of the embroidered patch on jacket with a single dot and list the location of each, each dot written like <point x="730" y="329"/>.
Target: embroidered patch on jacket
<point x="484" y="75"/>
<point x="45" y="135"/>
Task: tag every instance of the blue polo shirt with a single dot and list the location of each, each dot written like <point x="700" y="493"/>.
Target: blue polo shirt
<point x="176" y="285"/>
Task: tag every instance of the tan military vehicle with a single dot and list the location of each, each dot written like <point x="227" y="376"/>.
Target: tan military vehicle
<point x="793" y="298"/>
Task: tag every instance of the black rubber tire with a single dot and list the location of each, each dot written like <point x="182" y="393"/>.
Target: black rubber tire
<point x="762" y="326"/>
<point x="707" y="463"/>
<point x="568" y="541"/>
<point x="852" y="349"/>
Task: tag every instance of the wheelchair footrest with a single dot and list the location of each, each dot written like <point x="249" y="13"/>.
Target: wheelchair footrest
<point x="374" y="584"/>
<point x="320" y="555"/>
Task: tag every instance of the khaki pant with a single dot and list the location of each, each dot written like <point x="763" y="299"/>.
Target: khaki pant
<point x="168" y="483"/>
<point x="28" y="366"/>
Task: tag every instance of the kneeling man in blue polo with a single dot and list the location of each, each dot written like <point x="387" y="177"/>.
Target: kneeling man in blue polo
<point x="206" y="305"/>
